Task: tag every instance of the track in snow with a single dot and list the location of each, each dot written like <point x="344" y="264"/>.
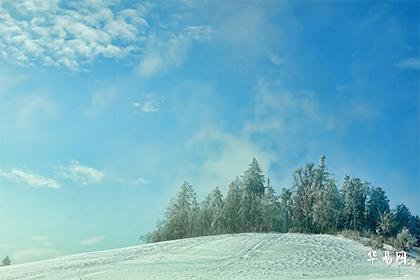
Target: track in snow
<point x="240" y="256"/>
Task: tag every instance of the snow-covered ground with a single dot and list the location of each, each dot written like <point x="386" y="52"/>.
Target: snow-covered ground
<point x="239" y="256"/>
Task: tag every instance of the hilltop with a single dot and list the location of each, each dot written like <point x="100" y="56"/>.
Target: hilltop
<point x="238" y="256"/>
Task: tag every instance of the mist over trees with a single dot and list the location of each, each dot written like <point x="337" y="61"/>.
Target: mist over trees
<point x="314" y="203"/>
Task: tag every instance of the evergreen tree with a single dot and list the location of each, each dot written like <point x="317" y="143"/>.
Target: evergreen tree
<point x="304" y="185"/>
<point x="179" y="216"/>
<point x="251" y="193"/>
<point x="286" y="210"/>
<point x="211" y="215"/>
<point x="216" y="206"/>
<point x="326" y="200"/>
<point x="377" y="206"/>
<point x="326" y="210"/>
<point x="384" y="226"/>
<point x="354" y="192"/>
<point x="416" y="228"/>
<point x="253" y="179"/>
<point x="270" y="210"/>
<point x="195" y="216"/>
<point x="206" y="216"/>
<point x="404" y="240"/>
<point x="402" y="218"/>
<point x="6" y="261"/>
<point x="313" y="205"/>
<point x="231" y="208"/>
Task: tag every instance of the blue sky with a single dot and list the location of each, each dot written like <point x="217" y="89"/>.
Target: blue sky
<point x="106" y="107"/>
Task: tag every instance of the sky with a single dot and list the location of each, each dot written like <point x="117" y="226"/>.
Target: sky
<point x="107" y="106"/>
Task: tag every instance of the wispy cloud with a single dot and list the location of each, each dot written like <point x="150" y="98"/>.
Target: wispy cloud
<point x="42" y="239"/>
<point x="84" y="175"/>
<point x="92" y="240"/>
<point x="30" y="178"/>
<point x="412" y="63"/>
<point x="160" y="55"/>
<point x="170" y="51"/>
<point x="229" y="159"/>
<point x="146" y="107"/>
<point x="284" y="112"/>
<point x="276" y="60"/>
<point x="138" y="182"/>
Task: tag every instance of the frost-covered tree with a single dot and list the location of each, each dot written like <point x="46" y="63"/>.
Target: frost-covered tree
<point x="194" y="218"/>
<point x="6" y="261"/>
<point x="404" y="240"/>
<point x="313" y="204"/>
<point x="402" y="218"/>
<point x="270" y="210"/>
<point x="384" y="226"/>
<point x="377" y="206"/>
<point x="206" y="215"/>
<point x="181" y="217"/>
<point x="416" y="228"/>
<point x="326" y="211"/>
<point x="252" y="190"/>
<point x="354" y="195"/>
<point x="232" y="206"/>
<point x="216" y="206"/>
<point x="286" y="210"/>
<point x="253" y="179"/>
<point x="326" y="207"/>
<point x="304" y="183"/>
<point x="211" y="215"/>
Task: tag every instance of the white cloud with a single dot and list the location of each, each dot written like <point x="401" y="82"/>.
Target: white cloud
<point x="276" y="60"/>
<point x="92" y="240"/>
<point x="283" y="112"/>
<point x="82" y="174"/>
<point x="146" y="107"/>
<point x="138" y="182"/>
<point x="227" y="156"/>
<point x="200" y="32"/>
<point x="42" y="239"/>
<point x="35" y="254"/>
<point x="412" y="63"/>
<point x="161" y="54"/>
<point x="291" y="114"/>
<point x="72" y="34"/>
<point x="69" y="34"/>
<point x="141" y="181"/>
<point x="29" y="178"/>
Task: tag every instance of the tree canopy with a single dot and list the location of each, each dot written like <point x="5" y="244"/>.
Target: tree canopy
<point x="314" y="203"/>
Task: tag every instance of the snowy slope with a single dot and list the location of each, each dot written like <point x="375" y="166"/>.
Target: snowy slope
<point x="240" y="256"/>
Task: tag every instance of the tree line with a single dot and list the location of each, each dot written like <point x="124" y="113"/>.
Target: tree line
<point x="313" y="204"/>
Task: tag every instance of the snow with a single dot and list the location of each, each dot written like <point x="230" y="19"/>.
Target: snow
<point x="240" y="256"/>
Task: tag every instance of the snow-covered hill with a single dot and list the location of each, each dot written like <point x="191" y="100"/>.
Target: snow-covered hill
<point x="239" y="256"/>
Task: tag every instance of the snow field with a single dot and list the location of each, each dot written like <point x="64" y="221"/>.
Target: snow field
<point x="239" y="256"/>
